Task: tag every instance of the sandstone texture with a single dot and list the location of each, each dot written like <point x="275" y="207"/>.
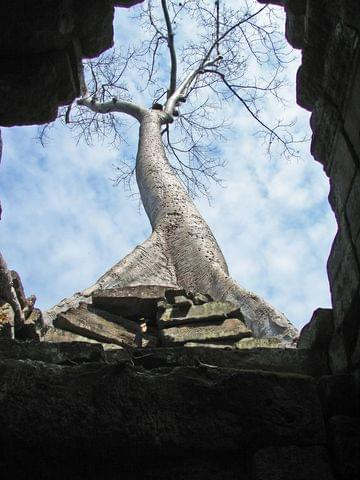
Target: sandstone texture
<point x="318" y="332"/>
<point x="297" y="463"/>
<point x="62" y="401"/>
<point x="42" y="45"/>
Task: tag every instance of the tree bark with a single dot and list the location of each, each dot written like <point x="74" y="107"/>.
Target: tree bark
<point x="182" y="251"/>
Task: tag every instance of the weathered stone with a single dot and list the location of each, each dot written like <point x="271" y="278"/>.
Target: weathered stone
<point x="170" y="294"/>
<point x="344" y="277"/>
<point x="317" y="333"/>
<point x="284" y="360"/>
<point x="53" y="353"/>
<point x="352" y="208"/>
<point x="83" y="321"/>
<point x="338" y="356"/>
<point x="94" y="26"/>
<point x="179" y="410"/>
<point x="42" y="44"/>
<point x="355" y="357"/>
<point x="341" y="49"/>
<point x="228" y="330"/>
<point x="325" y="122"/>
<point x="131" y="302"/>
<point x="50" y="80"/>
<point x="198" y="313"/>
<point x="292" y="462"/>
<point x="200" y="299"/>
<point x="32" y="327"/>
<point x="19" y="289"/>
<point x="258" y="343"/>
<point x="351" y="111"/>
<point x="7" y="319"/>
<point x="309" y="78"/>
<point x="56" y="335"/>
<point x="338" y="395"/>
<point x="342" y="173"/>
<point x="182" y="301"/>
<point x="294" y="29"/>
<point x="344" y="438"/>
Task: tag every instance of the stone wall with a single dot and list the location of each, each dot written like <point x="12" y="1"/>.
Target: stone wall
<point x="42" y="44"/>
<point x="328" y="84"/>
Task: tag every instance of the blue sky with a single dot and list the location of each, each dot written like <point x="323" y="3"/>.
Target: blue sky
<point x="64" y="223"/>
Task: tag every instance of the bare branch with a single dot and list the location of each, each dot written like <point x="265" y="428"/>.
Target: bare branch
<point x="114" y="106"/>
<point x="171" y="45"/>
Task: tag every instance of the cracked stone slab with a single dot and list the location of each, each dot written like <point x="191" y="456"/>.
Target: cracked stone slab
<point x="207" y="312"/>
<point x="228" y="330"/>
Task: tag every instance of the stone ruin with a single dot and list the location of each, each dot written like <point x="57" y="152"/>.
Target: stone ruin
<point x="180" y="389"/>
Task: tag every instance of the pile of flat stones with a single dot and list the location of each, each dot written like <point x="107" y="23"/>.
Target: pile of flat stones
<point x="152" y="316"/>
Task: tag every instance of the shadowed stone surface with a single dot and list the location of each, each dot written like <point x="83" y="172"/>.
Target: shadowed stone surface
<point x="289" y="360"/>
<point x="292" y="463"/>
<point x="42" y="45"/>
<point x="99" y="404"/>
<point x="344" y="436"/>
<point x="58" y="353"/>
<point x="339" y="395"/>
<point x="317" y="333"/>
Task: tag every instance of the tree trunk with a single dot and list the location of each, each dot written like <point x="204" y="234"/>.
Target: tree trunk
<point x="181" y="251"/>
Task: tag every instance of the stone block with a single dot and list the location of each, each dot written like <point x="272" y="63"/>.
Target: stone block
<point x="258" y="343"/>
<point x="92" y="324"/>
<point x="341" y="172"/>
<point x="339" y="62"/>
<point x="229" y="330"/>
<point x="351" y="110"/>
<point x="317" y="333"/>
<point x="295" y="29"/>
<point x="19" y="289"/>
<point x="344" y="277"/>
<point x="355" y="357"/>
<point x="29" y="28"/>
<point x="182" y="301"/>
<point x="292" y="462"/>
<point x="7" y="319"/>
<point x="94" y="26"/>
<point x="284" y="360"/>
<point x="207" y="312"/>
<point x="338" y="356"/>
<point x="352" y="208"/>
<point x="53" y="353"/>
<point x="309" y="78"/>
<point x="131" y="302"/>
<point x="325" y="122"/>
<point x="32" y="326"/>
<point x="183" y="409"/>
<point x="32" y="88"/>
<point x="56" y="335"/>
<point x="200" y="298"/>
<point x="338" y="395"/>
<point x="344" y="440"/>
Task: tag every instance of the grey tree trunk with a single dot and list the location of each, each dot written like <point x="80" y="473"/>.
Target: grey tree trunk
<point x="181" y="251"/>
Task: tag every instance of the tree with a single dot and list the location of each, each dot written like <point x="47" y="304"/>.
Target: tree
<point x="210" y="69"/>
